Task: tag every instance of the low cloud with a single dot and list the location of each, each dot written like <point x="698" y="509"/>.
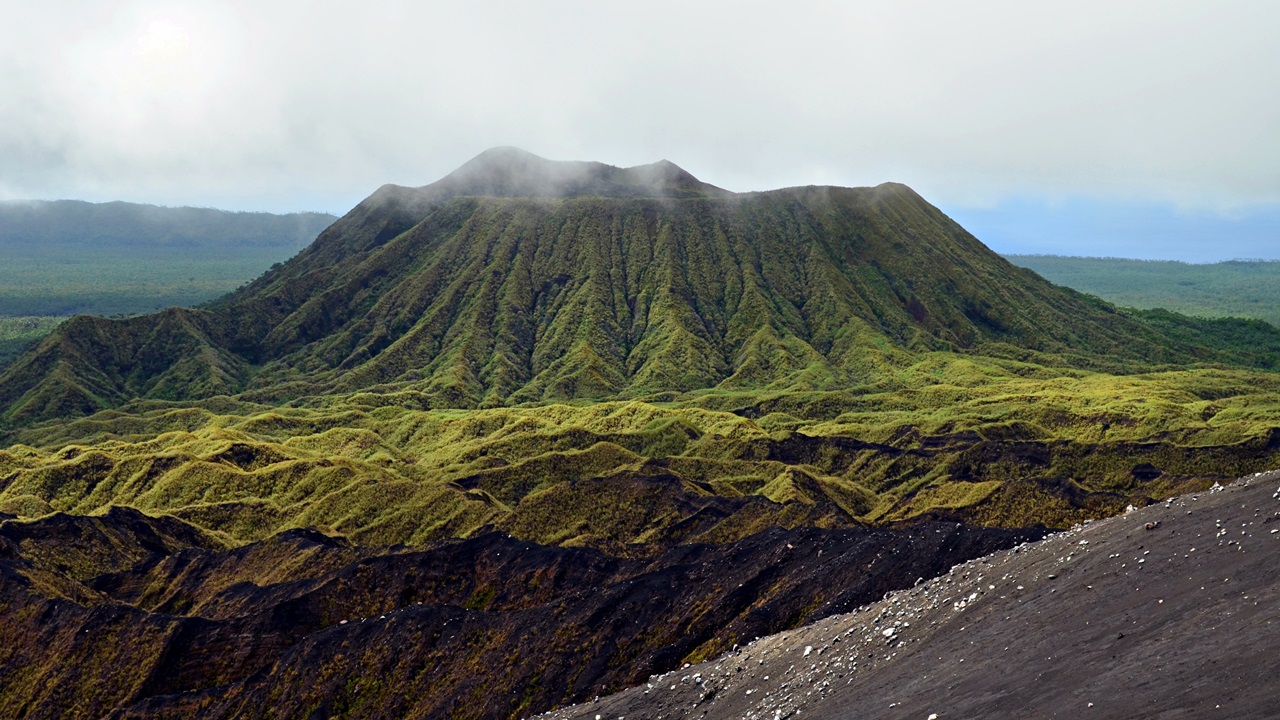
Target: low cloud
<point x="293" y="105"/>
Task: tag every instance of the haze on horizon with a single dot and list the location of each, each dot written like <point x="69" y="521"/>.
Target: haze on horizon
<point x="1142" y="130"/>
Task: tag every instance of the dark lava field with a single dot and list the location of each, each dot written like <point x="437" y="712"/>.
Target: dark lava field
<point x="124" y="615"/>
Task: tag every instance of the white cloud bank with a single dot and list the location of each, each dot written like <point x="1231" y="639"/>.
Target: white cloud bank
<point x="311" y="105"/>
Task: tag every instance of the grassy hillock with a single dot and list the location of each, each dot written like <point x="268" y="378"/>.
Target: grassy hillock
<point x="999" y="443"/>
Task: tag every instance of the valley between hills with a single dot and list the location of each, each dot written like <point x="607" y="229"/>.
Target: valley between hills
<point x="540" y="430"/>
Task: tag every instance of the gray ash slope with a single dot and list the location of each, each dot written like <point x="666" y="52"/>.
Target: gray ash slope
<point x="1165" y="612"/>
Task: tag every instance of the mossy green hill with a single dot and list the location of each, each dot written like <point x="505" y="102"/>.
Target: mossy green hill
<point x="517" y="279"/>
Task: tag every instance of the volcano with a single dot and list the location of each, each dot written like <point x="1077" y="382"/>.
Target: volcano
<point x="517" y="279"/>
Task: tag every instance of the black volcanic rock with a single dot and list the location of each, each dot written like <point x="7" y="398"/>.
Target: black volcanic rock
<point x="82" y="547"/>
<point x="489" y="627"/>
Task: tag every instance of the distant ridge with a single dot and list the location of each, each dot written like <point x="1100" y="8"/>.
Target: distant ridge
<point x="1232" y="288"/>
<point x="66" y="257"/>
<point x="33" y="224"/>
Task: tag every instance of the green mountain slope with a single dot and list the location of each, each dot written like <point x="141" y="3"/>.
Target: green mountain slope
<point x="517" y="279"/>
<point x="90" y="363"/>
<point x="19" y="333"/>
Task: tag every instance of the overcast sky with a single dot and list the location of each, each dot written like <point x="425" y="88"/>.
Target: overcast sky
<point x="1169" y="107"/>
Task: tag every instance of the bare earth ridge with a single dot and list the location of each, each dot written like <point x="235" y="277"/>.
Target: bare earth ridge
<point x="1164" y="612"/>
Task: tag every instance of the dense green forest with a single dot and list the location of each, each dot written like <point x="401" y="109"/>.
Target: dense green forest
<point x="1239" y="288"/>
<point x="118" y="282"/>
<point x="67" y="257"/>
